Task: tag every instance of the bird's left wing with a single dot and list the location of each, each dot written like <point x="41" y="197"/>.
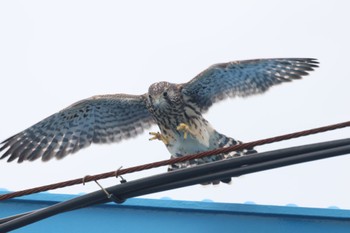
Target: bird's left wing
<point x="243" y="78"/>
<point x="99" y="119"/>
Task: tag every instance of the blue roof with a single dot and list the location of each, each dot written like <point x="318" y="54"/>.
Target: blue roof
<point x="149" y="215"/>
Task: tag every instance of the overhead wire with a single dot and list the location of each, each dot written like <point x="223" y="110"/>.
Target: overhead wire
<point x="188" y="176"/>
<point x="172" y="161"/>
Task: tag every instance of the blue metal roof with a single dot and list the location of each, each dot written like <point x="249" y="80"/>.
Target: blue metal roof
<point x="149" y="215"/>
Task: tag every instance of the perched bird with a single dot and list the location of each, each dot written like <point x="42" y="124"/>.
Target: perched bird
<point x="176" y="108"/>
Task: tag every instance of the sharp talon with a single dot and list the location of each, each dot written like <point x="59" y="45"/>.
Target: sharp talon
<point x="185" y="128"/>
<point x="158" y="136"/>
<point x="155" y="136"/>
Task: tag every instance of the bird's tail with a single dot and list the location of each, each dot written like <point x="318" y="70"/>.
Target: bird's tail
<point x="222" y="141"/>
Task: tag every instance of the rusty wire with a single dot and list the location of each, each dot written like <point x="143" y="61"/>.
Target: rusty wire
<point x="172" y="161"/>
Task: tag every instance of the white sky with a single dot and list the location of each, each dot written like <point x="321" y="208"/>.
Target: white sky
<point x="53" y="53"/>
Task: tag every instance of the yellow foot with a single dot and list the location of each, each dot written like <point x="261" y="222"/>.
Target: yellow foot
<point x="185" y="128"/>
<point x="159" y="136"/>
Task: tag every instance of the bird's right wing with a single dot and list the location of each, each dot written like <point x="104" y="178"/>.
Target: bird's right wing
<point x="243" y="78"/>
<point x="99" y="119"/>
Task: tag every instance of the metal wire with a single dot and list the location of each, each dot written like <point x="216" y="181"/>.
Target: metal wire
<point x="189" y="176"/>
<point x="172" y="161"/>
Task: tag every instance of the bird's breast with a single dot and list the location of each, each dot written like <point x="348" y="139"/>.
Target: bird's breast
<point x="198" y="137"/>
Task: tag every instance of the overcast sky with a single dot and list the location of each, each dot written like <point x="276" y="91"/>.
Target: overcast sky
<point x="53" y="53"/>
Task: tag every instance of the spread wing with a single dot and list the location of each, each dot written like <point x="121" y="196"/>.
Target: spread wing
<point x="99" y="119"/>
<point x="243" y="78"/>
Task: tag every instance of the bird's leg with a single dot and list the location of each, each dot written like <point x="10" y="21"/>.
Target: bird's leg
<point x="186" y="129"/>
<point x="159" y="136"/>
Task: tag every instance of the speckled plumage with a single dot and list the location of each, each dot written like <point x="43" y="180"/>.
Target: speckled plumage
<point x="111" y="118"/>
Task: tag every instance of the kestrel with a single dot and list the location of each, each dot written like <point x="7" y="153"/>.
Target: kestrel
<point x="176" y="108"/>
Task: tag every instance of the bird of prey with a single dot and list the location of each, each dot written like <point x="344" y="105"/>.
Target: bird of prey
<point x="176" y="108"/>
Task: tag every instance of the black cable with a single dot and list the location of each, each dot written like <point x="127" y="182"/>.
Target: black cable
<point x="7" y="219"/>
<point x="231" y="168"/>
<point x="250" y="169"/>
<point x="189" y="176"/>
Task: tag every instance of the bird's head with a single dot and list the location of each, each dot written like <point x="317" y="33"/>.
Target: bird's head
<point x="164" y="96"/>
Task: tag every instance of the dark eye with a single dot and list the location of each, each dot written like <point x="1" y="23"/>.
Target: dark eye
<point x="165" y="94"/>
<point x="149" y="96"/>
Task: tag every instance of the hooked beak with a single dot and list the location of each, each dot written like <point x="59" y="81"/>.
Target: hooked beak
<point x="157" y="103"/>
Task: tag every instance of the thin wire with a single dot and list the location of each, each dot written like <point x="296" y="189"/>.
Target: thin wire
<point x="261" y="158"/>
<point x="173" y="161"/>
<point x="186" y="177"/>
